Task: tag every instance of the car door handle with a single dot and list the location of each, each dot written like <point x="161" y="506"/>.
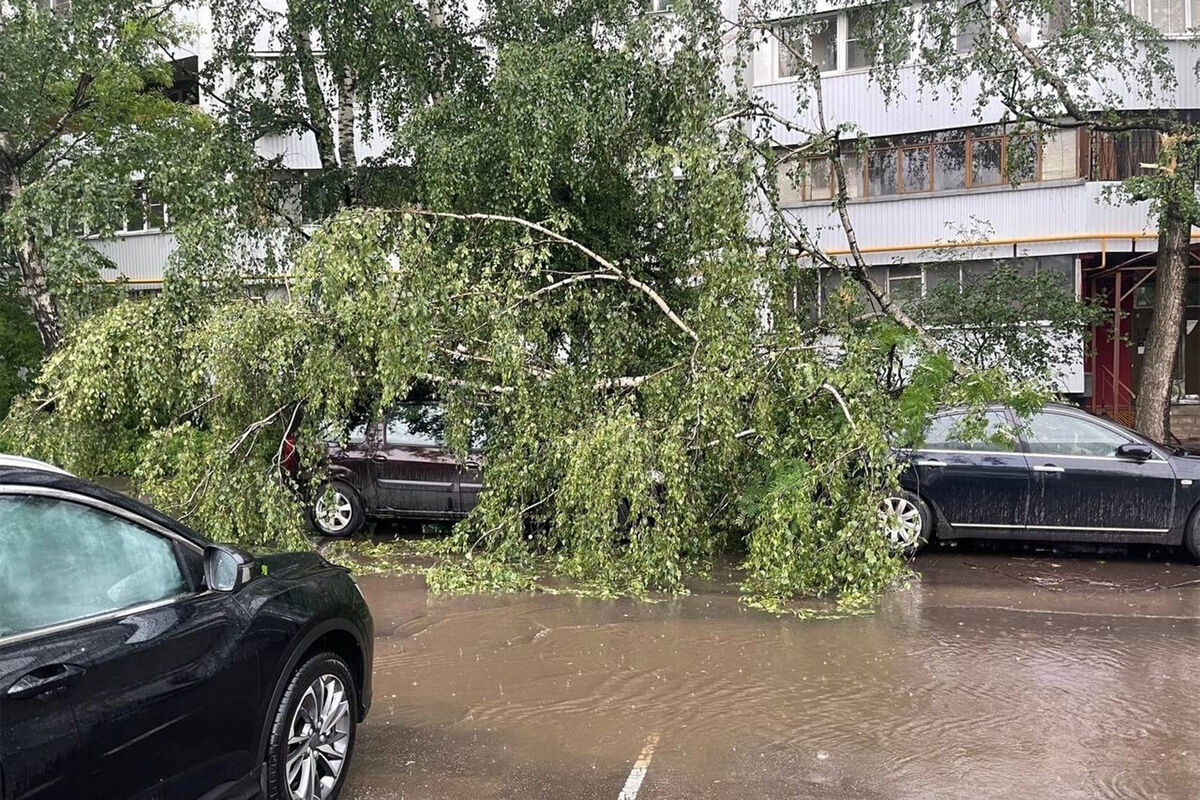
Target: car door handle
<point x="1047" y="468"/>
<point x="930" y="462"/>
<point x="44" y="679"/>
<point x="378" y="458"/>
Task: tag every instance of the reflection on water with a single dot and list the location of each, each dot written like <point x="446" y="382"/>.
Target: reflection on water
<point x="995" y="676"/>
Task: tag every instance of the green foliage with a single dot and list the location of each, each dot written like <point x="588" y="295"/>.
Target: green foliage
<point x="20" y="348"/>
<point x="88" y="140"/>
<point x="576" y="256"/>
<point x="1025" y="323"/>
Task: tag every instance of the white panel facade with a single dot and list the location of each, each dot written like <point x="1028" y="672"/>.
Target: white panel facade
<point x="1037" y="213"/>
<point x="140" y="257"/>
<point x="853" y="97"/>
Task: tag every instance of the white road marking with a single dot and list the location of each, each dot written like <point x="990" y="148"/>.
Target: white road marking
<point x="638" y="774"/>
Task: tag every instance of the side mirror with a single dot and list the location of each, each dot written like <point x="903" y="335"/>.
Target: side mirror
<point x="226" y="569"/>
<point x="1135" y="452"/>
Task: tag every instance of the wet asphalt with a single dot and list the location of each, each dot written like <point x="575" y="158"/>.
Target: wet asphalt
<point x="997" y="674"/>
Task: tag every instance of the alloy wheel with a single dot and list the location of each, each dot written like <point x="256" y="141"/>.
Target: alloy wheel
<point x="318" y="739"/>
<point x="901" y="521"/>
<point x="335" y="514"/>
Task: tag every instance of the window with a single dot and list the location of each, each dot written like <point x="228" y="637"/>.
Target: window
<point x="813" y="179"/>
<point x="915" y="172"/>
<point x="1172" y="17"/>
<point x="415" y="426"/>
<point x="858" y="26"/>
<point x="144" y="211"/>
<point x="967" y="159"/>
<point x="944" y="433"/>
<point x="1060" y="434"/>
<point x="813" y="41"/>
<point x="883" y="177"/>
<point x="987" y="162"/>
<point x="185" y="81"/>
<point x="658" y="6"/>
<point x="62" y="561"/>
<point x="818" y="179"/>
<point x="790" y="183"/>
<point x="970" y="24"/>
<point x="1022" y="156"/>
<point x="904" y="284"/>
<point x="949" y="162"/>
<point x="1117" y="156"/>
<point x="1060" y="155"/>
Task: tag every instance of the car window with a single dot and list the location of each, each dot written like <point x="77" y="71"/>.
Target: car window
<point x="1062" y="434"/>
<point x="944" y="434"/>
<point x="414" y="427"/>
<point x="335" y="434"/>
<point x="62" y="561"/>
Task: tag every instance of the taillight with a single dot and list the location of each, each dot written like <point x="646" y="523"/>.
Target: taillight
<point x="291" y="461"/>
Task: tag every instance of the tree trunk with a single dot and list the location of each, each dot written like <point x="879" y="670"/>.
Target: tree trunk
<point x="33" y="276"/>
<point x="346" y="121"/>
<point x="318" y="110"/>
<point x="1166" y="324"/>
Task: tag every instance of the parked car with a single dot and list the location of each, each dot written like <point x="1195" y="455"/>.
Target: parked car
<point x="1065" y="476"/>
<point x="140" y="660"/>
<point x="396" y="468"/>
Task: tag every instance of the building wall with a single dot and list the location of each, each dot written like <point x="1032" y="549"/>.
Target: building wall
<point x="1185" y="422"/>
<point x="1042" y="215"/>
<point x="853" y="97"/>
<point x="139" y="257"/>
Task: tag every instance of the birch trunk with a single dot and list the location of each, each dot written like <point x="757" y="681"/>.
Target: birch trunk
<point x="33" y="276"/>
<point x="1162" y="341"/>
<point x="314" y="99"/>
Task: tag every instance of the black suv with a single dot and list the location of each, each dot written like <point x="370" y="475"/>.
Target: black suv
<point x="139" y="660"/>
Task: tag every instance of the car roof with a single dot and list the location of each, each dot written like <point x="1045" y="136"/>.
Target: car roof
<point x="17" y="471"/>
<point x="21" y="462"/>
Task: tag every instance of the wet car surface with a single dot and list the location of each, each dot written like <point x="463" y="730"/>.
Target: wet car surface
<point x="1000" y="674"/>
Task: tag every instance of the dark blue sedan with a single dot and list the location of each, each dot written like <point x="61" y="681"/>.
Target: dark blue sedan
<point x="1063" y="475"/>
<point x="139" y="660"/>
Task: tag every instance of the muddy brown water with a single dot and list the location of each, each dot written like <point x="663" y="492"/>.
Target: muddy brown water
<point x="995" y="676"/>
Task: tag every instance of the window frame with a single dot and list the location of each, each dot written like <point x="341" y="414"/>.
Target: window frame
<point x="1189" y="21"/>
<point x="180" y="545"/>
<point x="918" y="279"/>
<point x="969" y="138"/>
<point x="806" y="183"/>
<point x="777" y="46"/>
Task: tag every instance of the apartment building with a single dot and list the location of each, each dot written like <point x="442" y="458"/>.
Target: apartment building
<point x="931" y="200"/>
<point x="931" y="197"/>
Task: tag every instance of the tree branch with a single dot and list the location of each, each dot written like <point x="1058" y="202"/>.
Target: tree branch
<point x="612" y="268"/>
<point x="78" y="103"/>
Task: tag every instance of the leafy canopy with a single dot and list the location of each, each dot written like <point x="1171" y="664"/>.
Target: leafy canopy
<point x="581" y="258"/>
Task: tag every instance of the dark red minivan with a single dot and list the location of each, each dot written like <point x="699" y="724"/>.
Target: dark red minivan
<point x="398" y="468"/>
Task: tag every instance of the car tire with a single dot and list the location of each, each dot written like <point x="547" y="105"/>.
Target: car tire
<point x="906" y="520"/>
<point x="312" y="737"/>
<point x="1191" y="534"/>
<point x="345" y="517"/>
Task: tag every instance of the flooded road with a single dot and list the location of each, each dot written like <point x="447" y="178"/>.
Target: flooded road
<point x="996" y="676"/>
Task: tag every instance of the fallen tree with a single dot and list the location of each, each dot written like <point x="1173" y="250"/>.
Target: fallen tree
<point x="586" y="260"/>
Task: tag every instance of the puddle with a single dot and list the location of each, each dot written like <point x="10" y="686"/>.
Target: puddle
<point x="994" y="676"/>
